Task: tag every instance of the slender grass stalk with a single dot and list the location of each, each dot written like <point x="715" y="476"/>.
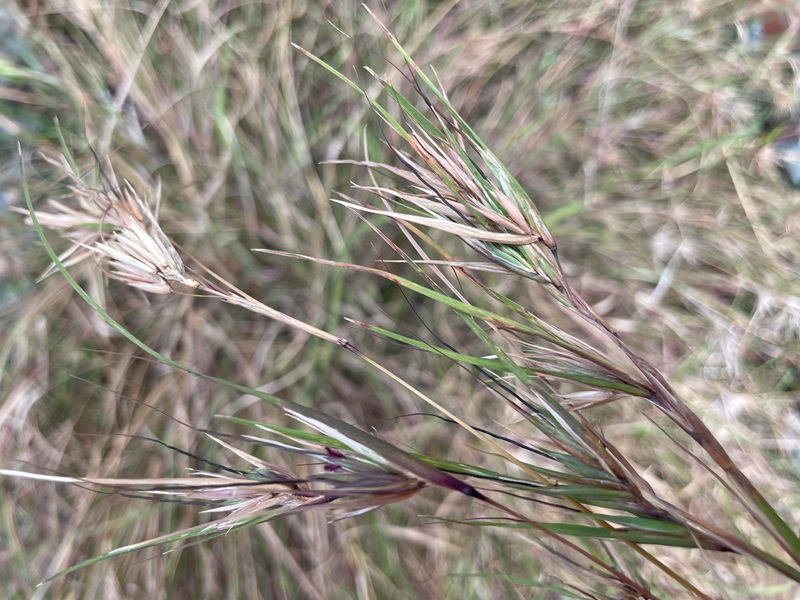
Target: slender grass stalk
<point x="446" y="184"/>
<point x="155" y="267"/>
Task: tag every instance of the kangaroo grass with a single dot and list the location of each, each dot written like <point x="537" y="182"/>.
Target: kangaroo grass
<point x="140" y="255"/>
<point x="448" y="185"/>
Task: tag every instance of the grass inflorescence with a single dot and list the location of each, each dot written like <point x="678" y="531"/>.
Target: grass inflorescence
<point x="557" y="335"/>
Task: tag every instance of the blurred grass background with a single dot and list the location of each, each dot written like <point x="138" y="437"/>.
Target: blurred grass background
<point x="640" y="130"/>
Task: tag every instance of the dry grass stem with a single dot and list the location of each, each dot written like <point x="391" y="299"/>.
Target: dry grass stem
<point x="569" y="342"/>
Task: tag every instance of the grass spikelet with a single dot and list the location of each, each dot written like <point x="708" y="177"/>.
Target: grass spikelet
<point x="535" y="418"/>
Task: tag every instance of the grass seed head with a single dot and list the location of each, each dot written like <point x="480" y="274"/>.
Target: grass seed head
<point x="118" y="228"/>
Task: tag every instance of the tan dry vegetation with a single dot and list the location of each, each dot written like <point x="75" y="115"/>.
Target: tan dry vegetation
<point x="635" y="127"/>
